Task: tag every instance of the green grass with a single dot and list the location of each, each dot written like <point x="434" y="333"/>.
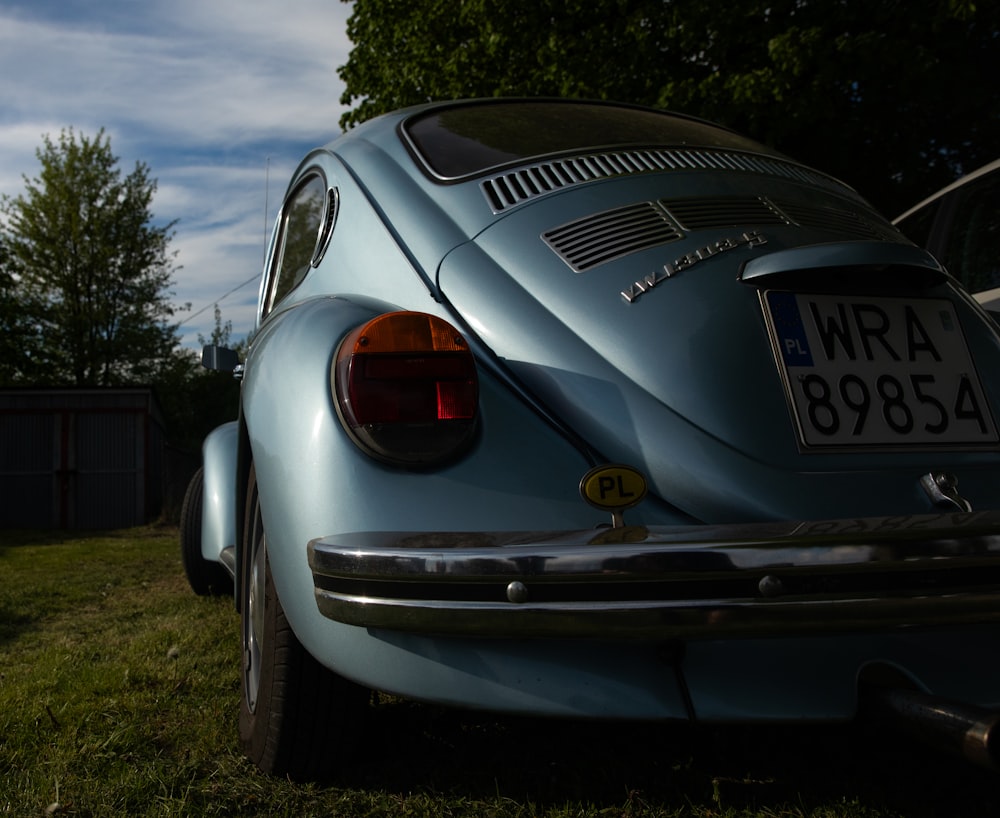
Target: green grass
<point x="119" y="694"/>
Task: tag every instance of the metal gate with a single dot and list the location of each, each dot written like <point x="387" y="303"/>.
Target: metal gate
<point x="87" y="459"/>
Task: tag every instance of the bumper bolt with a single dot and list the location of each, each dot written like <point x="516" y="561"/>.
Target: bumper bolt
<point x="517" y="592"/>
<point x="771" y="586"/>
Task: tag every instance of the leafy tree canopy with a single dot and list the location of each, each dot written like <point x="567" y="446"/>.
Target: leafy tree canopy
<point x="196" y="400"/>
<point x="896" y="98"/>
<point x="86" y="273"/>
<point x="15" y="324"/>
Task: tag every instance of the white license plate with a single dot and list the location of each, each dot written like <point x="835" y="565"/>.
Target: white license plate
<point x="877" y="372"/>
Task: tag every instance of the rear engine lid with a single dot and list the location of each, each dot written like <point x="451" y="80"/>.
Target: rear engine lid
<point x="656" y="327"/>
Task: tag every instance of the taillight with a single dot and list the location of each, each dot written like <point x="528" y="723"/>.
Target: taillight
<point x="407" y="389"/>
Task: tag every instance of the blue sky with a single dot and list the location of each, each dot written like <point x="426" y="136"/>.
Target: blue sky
<point x="220" y="98"/>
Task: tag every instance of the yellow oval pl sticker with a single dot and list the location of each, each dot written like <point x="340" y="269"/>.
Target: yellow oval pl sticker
<point x="613" y="487"/>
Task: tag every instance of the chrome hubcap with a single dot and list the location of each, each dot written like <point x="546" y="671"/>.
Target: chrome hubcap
<point x="253" y="629"/>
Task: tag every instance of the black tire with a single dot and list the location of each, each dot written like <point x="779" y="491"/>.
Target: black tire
<point x="205" y="578"/>
<point x="297" y="718"/>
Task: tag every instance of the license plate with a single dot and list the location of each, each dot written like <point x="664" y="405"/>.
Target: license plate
<point x="877" y="372"/>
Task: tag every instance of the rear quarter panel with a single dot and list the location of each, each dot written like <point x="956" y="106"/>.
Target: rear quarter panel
<point x="313" y="480"/>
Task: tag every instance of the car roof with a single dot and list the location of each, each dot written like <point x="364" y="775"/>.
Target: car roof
<point x="964" y="180"/>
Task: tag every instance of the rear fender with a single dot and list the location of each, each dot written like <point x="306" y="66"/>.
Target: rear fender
<point x="313" y="481"/>
<point x="218" y="522"/>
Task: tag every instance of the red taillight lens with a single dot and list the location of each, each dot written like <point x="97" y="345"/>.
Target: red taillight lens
<point x="407" y="388"/>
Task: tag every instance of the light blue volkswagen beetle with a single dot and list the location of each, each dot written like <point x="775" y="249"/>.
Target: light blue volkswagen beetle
<point x="582" y="409"/>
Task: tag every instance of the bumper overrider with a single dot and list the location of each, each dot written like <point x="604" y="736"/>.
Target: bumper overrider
<point x="633" y="582"/>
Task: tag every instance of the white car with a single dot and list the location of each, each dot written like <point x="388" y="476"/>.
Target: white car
<point x="960" y="224"/>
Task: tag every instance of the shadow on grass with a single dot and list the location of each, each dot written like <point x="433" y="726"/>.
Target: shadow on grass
<point x="19" y="538"/>
<point x="14" y="623"/>
<point x="419" y="748"/>
<point x="38" y="582"/>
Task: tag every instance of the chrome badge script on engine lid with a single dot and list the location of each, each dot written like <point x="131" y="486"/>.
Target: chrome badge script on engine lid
<point x="750" y="238"/>
<point x="877" y="372"/>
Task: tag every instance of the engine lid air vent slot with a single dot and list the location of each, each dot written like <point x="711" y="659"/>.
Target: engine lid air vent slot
<point x="840" y="220"/>
<point x="594" y="240"/>
<point x="511" y="188"/>
<point x="702" y="213"/>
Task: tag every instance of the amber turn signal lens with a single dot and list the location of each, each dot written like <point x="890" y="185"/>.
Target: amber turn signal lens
<point x="407" y="388"/>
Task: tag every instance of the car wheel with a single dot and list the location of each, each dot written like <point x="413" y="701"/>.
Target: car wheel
<point x="297" y="718"/>
<point x="204" y="577"/>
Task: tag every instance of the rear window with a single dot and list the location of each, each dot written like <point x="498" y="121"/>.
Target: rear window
<point x="471" y="138"/>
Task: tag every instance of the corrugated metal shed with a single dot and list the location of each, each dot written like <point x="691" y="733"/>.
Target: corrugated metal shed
<point x="80" y="458"/>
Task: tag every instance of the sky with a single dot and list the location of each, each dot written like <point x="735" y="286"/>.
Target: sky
<point x="219" y="98"/>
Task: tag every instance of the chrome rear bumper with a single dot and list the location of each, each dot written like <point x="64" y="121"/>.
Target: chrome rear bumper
<point x="732" y="581"/>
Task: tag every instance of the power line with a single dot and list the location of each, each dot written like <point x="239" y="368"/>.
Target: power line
<point x="267" y="185"/>
<point x="255" y="277"/>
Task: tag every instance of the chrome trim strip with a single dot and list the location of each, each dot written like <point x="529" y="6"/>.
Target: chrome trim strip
<point x="765" y="579"/>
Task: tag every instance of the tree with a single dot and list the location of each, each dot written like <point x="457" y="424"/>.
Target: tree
<point x="895" y="98"/>
<point x="92" y="271"/>
<point x="16" y="331"/>
<point x="195" y="400"/>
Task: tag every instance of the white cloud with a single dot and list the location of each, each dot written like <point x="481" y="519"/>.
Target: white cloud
<point x="206" y="94"/>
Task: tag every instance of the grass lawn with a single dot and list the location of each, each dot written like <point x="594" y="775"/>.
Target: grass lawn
<point x="119" y="693"/>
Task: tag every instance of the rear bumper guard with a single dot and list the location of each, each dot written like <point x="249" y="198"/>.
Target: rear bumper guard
<point x="731" y="581"/>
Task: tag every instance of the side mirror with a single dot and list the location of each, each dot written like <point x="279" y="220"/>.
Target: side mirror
<point x="219" y="359"/>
